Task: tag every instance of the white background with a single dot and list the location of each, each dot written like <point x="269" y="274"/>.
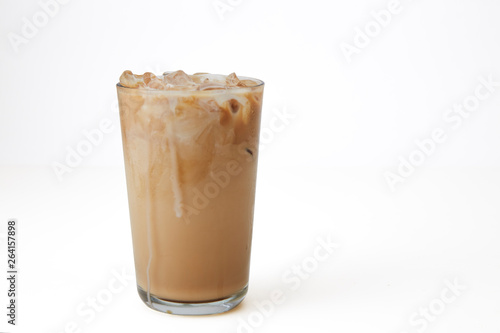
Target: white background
<point x="323" y="174"/>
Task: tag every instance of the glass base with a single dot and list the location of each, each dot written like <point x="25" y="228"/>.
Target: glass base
<point x="193" y="309"/>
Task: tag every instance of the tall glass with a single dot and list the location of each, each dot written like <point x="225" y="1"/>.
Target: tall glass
<point x="191" y="164"/>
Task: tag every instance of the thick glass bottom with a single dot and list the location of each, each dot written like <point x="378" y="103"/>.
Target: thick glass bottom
<point x="192" y="309"/>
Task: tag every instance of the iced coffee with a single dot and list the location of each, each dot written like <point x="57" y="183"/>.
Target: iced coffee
<point x="190" y="144"/>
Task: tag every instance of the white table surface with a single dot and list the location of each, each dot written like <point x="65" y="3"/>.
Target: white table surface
<point x="397" y="253"/>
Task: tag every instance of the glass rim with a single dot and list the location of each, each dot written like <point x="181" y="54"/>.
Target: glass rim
<point x="259" y="83"/>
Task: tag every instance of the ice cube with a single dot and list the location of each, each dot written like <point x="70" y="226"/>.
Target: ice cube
<point x="179" y="78"/>
<point x="153" y="82"/>
<point x="147" y="77"/>
<point x="249" y="83"/>
<point x="233" y="81"/>
<point x="128" y="79"/>
<point x="210" y="85"/>
<point x="199" y="78"/>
